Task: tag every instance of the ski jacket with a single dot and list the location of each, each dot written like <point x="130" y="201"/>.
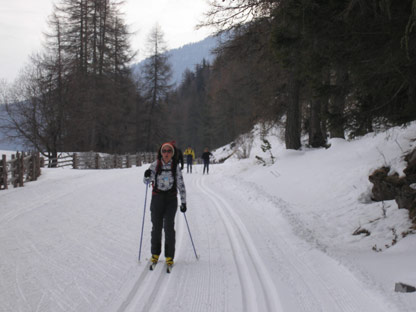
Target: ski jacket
<point x="205" y="156"/>
<point x="190" y="154"/>
<point x="166" y="181"/>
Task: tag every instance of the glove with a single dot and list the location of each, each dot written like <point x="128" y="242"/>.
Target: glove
<point x="147" y="173"/>
<point x="183" y="207"/>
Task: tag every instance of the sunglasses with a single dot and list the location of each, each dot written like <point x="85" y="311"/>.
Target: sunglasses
<point x="169" y="151"/>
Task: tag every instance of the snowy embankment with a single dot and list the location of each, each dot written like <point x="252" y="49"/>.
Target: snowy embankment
<point x="270" y="238"/>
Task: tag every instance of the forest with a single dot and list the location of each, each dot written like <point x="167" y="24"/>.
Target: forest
<point x="318" y="69"/>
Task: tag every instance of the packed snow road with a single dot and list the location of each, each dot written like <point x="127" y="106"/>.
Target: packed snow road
<point x="70" y="242"/>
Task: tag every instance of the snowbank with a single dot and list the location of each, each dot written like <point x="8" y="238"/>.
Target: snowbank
<point x="330" y="196"/>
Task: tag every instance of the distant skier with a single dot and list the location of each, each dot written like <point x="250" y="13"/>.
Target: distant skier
<point x="205" y="157"/>
<point x="166" y="178"/>
<point x="190" y="156"/>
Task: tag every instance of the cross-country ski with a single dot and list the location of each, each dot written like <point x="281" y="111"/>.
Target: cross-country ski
<point x="152" y="266"/>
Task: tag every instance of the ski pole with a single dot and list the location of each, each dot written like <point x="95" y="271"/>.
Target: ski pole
<point x="189" y="231"/>
<point x="144" y="214"/>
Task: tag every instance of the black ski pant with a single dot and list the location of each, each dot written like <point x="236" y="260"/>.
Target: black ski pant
<point x="163" y="210"/>
<point x="189" y="166"/>
<point x="206" y="166"/>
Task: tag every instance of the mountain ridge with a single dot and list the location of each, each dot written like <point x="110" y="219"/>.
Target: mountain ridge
<point x="185" y="57"/>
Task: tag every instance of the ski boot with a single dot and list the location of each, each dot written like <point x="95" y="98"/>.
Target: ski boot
<point x="169" y="264"/>
<point x="153" y="262"/>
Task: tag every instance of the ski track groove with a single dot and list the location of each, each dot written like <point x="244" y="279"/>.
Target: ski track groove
<point x="135" y="291"/>
<point x="341" y="287"/>
<point x="209" y="288"/>
<point x="246" y="254"/>
<point x="138" y="290"/>
<point x="40" y="302"/>
<point x="19" y="288"/>
<point x="8" y="217"/>
<point x="220" y="302"/>
<point x="198" y="278"/>
<point x="207" y="279"/>
<point x="147" y="295"/>
<point x="245" y="284"/>
<point x="151" y="301"/>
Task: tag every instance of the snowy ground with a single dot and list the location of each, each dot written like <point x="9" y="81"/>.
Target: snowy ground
<point x="270" y="238"/>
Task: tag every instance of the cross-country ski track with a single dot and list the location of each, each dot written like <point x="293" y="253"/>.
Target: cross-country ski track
<point x="70" y="243"/>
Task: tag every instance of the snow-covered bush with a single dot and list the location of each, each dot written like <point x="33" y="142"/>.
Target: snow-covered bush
<point x="243" y="145"/>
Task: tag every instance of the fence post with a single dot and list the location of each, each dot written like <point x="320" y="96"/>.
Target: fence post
<point x="74" y="161"/>
<point x="97" y="161"/>
<point x="138" y="159"/>
<point x="4" y="164"/>
<point x="13" y="170"/>
<point x="23" y="168"/>
<point x="37" y="165"/>
<point x="32" y="167"/>
<point x="20" y="168"/>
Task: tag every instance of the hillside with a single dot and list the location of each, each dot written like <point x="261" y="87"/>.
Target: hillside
<point x="186" y="57"/>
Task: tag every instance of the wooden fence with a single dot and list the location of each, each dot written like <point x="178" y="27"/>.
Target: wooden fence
<point x="23" y="167"/>
<point x="19" y="169"/>
<point x="91" y="160"/>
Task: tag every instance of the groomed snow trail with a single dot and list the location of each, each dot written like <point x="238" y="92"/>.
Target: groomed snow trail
<point x="250" y="260"/>
<point x="258" y="290"/>
<point x="70" y="241"/>
<point x="285" y="272"/>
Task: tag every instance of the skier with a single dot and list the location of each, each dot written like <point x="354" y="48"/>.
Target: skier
<point x="190" y="156"/>
<point x="166" y="177"/>
<point x="205" y="157"/>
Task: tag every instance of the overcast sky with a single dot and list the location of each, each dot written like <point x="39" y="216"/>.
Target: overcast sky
<point x="22" y="23"/>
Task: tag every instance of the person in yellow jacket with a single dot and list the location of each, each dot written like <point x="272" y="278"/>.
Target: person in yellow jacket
<point x="190" y="156"/>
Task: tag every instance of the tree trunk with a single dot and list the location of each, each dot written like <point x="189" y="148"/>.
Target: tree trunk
<point x="336" y="110"/>
<point x="316" y="137"/>
<point x="292" y="132"/>
<point x="411" y="103"/>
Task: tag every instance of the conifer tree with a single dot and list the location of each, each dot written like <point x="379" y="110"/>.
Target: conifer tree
<point x="80" y="84"/>
<point x="155" y="79"/>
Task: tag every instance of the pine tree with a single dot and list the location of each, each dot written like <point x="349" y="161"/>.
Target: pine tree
<point x="81" y="83"/>
<point x="155" y="79"/>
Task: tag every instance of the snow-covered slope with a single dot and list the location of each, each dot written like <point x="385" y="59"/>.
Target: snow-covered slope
<point x="269" y="238"/>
